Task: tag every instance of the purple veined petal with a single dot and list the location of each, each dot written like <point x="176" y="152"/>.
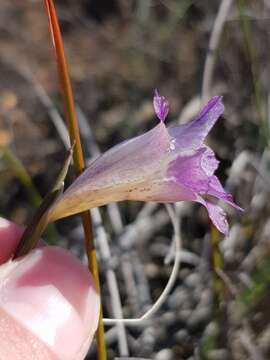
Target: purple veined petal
<point x="217" y="216"/>
<point x="192" y="170"/>
<point x="118" y="173"/>
<point x="161" y="106"/>
<point x="192" y="134"/>
<point x="195" y="171"/>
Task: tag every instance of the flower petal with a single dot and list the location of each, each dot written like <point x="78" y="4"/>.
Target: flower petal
<point x="217" y="216"/>
<point x="195" y="172"/>
<point x="161" y="106"/>
<point x="121" y="163"/>
<point x="216" y="189"/>
<point x="209" y="163"/>
<point x="192" y="134"/>
<point x="162" y="190"/>
<point x="192" y="170"/>
<point x="116" y="173"/>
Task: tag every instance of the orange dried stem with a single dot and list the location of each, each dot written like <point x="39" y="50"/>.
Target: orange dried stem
<point x="72" y="122"/>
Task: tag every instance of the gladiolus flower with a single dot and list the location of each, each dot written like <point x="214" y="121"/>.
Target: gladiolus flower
<point x="161" y="165"/>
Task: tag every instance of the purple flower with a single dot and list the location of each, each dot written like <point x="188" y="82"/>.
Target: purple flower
<point x="161" y="165"/>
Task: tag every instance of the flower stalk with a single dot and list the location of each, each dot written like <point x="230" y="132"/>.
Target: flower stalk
<point x="78" y="157"/>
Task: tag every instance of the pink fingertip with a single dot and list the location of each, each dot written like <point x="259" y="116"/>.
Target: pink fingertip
<point x="10" y="234"/>
<point x="52" y="295"/>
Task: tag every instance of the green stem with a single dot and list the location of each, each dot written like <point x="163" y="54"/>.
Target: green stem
<point x="21" y="173"/>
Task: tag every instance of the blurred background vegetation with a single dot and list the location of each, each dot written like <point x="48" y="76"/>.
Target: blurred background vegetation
<point x="118" y="52"/>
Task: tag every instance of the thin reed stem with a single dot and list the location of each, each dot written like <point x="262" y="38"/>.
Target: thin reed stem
<point x="250" y="54"/>
<point x="78" y="157"/>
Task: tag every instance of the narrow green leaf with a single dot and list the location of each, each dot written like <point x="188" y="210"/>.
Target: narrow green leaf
<point x="41" y="219"/>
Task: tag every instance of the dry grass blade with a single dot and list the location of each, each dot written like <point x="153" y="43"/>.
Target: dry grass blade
<point x="141" y="321"/>
<point x="221" y="17"/>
